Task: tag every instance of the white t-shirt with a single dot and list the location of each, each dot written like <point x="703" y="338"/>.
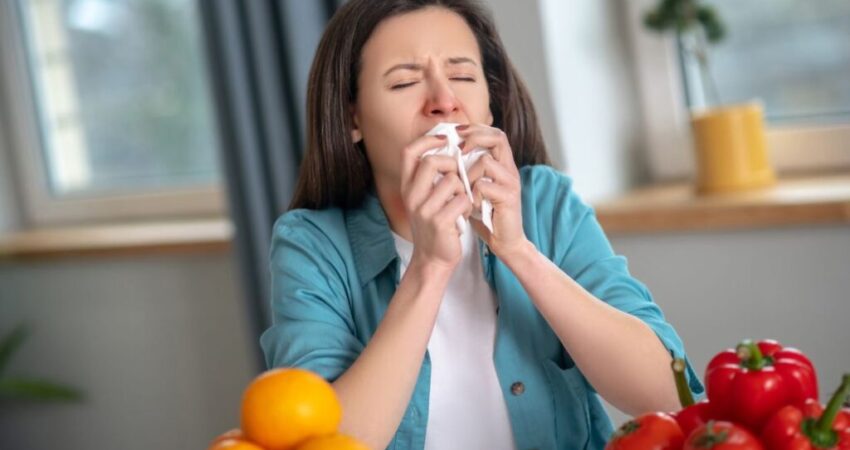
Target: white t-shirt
<point x="466" y="407"/>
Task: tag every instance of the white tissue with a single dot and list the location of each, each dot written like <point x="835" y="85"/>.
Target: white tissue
<point x="485" y="213"/>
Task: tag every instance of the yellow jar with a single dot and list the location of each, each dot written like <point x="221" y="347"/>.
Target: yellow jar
<point x="731" y="149"/>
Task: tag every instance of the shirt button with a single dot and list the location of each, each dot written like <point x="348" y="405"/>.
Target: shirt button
<point x="517" y="388"/>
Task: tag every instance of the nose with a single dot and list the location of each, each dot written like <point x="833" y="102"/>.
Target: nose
<point x="441" y="100"/>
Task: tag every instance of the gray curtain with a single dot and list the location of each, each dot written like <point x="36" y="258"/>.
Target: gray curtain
<point x="259" y="54"/>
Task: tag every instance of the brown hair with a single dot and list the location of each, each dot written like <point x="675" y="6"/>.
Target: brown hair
<point x="335" y="171"/>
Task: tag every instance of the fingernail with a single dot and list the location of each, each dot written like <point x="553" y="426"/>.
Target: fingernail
<point x="442" y="136"/>
<point x="461" y="127"/>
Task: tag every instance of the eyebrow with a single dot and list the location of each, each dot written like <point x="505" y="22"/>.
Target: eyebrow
<point x="413" y="66"/>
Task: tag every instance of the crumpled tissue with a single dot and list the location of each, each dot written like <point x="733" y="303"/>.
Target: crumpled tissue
<point x="464" y="161"/>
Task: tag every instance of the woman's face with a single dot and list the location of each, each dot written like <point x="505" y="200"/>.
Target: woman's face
<point x="418" y="69"/>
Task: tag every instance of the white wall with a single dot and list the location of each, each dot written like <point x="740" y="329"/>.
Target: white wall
<point x="519" y="24"/>
<point x="8" y="207"/>
<point x="576" y="61"/>
<point x="594" y="94"/>
<point x="9" y="213"/>
<point x="159" y="344"/>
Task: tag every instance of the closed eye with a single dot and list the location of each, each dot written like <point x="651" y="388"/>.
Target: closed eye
<point x="404" y="85"/>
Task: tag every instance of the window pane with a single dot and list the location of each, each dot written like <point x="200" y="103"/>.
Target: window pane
<point x="122" y="94"/>
<point x="794" y="55"/>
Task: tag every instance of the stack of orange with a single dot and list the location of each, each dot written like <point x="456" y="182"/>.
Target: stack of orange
<point x="288" y="409"/>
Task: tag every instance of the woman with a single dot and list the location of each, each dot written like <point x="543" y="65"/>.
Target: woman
<point x="435" y="336"/>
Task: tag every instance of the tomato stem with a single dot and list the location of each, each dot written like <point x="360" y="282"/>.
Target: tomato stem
<point x="627" y="429"/>
<point x="711" y="438"/>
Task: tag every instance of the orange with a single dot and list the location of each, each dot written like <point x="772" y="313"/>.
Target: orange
<point x="234" y="444"/>
<point x="282" y="408"/>
<point x="234" y="433"/>
<point x="333" y="442"/>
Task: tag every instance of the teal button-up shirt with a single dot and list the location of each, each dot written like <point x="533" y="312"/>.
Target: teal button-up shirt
<point x="334" y="272"/>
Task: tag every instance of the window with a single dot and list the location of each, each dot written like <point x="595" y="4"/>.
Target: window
<point x="792" y="55"/>
<point x="113" y="117"/>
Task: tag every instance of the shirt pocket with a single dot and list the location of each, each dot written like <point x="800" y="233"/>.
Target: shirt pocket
<point x="571" y="406"/>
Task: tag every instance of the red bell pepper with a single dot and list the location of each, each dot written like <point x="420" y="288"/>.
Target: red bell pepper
<point x="692" y="414"/>
<point x="722" y="435"/>
<point x="810" y="427"/>
<point x="652" y="431"/>
<point x="748" y="384"/>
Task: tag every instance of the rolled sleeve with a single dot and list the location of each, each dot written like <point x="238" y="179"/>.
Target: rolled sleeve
<point x="312" y="324"/>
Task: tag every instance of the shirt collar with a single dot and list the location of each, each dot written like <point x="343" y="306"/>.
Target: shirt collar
<point x="371" y="240"/>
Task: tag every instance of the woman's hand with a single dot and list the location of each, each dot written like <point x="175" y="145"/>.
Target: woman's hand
<point x="432" y="210"/>
<point x="503" y="191"/>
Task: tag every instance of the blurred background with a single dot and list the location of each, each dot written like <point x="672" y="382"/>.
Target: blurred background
<point x="146" y="147"/>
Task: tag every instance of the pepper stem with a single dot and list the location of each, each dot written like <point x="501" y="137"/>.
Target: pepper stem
<point x="750" y="355"/>
<point x="685" y="396"/>
<point x="822" y="431"/>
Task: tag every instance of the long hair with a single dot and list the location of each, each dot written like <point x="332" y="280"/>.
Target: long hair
<point x="335" y="170"/>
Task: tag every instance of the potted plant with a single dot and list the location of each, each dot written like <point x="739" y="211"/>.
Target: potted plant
<point x="730" y="143"/>
<point x="14" y="388"/>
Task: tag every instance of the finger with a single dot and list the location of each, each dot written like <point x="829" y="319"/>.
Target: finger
<point x="447" y="217"/>
<point x="477" y="128"/>
<point x="423" y="179"/>
<point x="495" y="193"/>
<point x="487" y="137"/>
<point x="477" y="137"/>
<point x="487" y="167"/>
<point x="412" y="153"/>
<point x="448" y="187"/>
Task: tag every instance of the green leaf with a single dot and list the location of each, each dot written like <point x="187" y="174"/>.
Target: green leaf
<point x="662" y="18"/>
<point x="37" y="390"/>
<point x="714" y="29"/>
<point x="10" y="344"/>
<point x="683" y="15"/>
<point x="654" y="22"/>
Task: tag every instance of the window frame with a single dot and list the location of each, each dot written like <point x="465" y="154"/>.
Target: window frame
<point x="666" y="118"/>
<point x="39" y="207"/>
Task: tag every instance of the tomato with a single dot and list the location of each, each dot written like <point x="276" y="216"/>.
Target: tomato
<point x="653" y="431"/>
<point x="721" y="435"/>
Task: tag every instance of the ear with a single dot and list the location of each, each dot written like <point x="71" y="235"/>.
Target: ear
<point x="356" y="135"/>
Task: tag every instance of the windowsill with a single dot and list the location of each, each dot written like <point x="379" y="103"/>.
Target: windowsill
<point x="822" y="199"/>
<point x="669" y="207"/>
<point x="194" y="236"/>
